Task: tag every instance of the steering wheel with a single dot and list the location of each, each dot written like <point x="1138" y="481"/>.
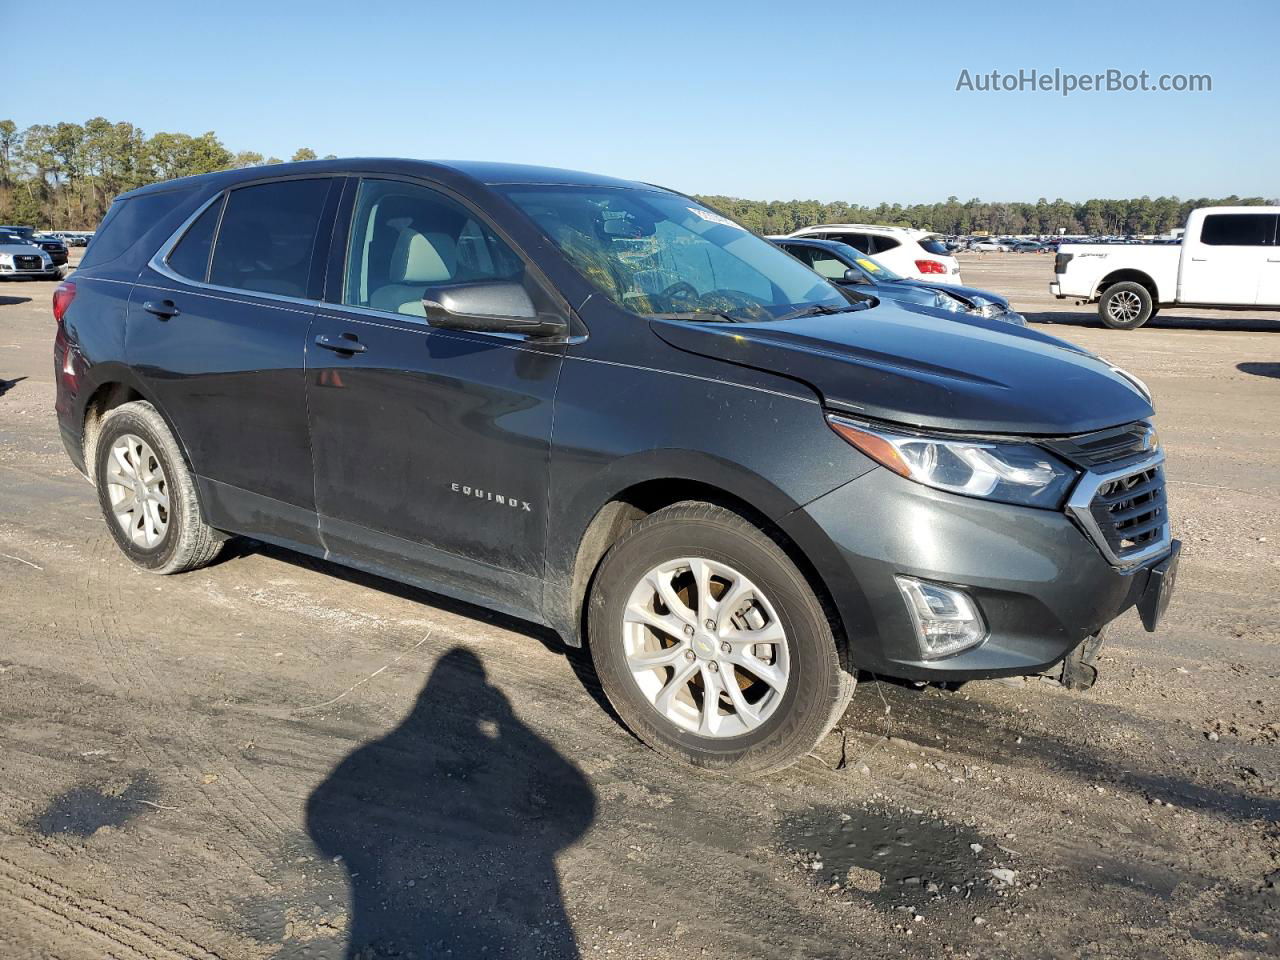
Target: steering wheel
<point x="680" y="290"/>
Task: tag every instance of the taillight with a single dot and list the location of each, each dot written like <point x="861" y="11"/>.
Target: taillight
<point x="930" y="266"/>
<point x="63" y="294"/>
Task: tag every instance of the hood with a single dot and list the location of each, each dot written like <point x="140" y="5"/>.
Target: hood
<point x="920" y="369"/>
<point x="21" y="249"/>
<point x="967" y="293"/>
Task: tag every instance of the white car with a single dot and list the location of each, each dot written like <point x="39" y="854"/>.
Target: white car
<point x="989" y="246"/>
<point x="912" y="253"/>
<point x="19" y="258"/>
<point x="1229" y="257"/>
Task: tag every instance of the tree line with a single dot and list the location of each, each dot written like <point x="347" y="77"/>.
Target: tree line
<point x="1143" y="215"/>
<point x="64" y="175"/>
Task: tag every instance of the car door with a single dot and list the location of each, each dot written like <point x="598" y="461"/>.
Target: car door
<point x="217" y="330"/>
<point x="430" y="446"/>
<point x="1224" y="261"/>
<point x="1269" y="278"/>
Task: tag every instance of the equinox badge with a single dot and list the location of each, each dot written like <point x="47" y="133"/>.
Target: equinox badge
<point x="503" y="501"/>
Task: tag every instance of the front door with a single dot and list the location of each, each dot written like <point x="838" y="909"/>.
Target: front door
<point x="430" y="446"/>
<point x="1224" y="262"/>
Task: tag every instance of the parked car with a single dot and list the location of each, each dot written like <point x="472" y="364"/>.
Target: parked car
<point x="858" y="272"/>
<point x="22" y="259"/>
<point x="989" y="246"/>
<point x="908" y="252"/>
<point x="1229" y="258"/>
<point x="56" y="249"/>
<point x="1026" y="246"/>
<point x="753" y="488"/>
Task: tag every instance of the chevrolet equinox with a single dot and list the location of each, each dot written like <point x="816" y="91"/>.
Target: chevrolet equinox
<point x="603" y="407"/>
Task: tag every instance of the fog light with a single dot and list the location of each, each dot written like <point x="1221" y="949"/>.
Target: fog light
<point x="946" y="620"/>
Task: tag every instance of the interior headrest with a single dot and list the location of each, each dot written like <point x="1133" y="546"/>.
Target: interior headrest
<point x="419" y="259"/>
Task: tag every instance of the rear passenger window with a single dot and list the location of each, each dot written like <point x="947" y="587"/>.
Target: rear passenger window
<point x="881" y="244"/>
<point x="1239" y="229"/>
<point x="407" y="238"/>
<point x="267" y="237"/>
<point x="190" y="258"/>
<point x="859" y="241"/>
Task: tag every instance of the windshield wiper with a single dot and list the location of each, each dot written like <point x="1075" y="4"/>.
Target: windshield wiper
<point x="712" y="316"/>
<point x="819" y="309"/>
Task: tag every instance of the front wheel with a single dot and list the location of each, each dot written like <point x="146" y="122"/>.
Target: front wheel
<point x="1126" y="306"/>
<point x="711" y="644"/>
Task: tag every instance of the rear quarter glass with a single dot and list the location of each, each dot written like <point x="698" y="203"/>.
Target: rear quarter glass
<point x="126" y="222"/>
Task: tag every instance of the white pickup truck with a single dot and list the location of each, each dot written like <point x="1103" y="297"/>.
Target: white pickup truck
<point x="1229" y="258"/>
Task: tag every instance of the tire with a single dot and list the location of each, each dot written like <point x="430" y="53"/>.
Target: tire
<point x="1126" y="305"/>
<point x="1080" y="668"/>
<point x="781" y="720"/>
<point x="169" y="534"/>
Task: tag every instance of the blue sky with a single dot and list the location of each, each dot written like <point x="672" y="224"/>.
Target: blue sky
<point x="833" y="101"/>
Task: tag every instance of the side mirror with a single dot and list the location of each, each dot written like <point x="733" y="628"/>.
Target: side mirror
<point x="854" y="276"/>
<point x="492" y="307"/>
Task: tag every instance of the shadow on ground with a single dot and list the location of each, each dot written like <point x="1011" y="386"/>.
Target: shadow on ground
<point x="1244" y="322"/>
<point x="966" y="730"/>
<point x="1260" y="369"/>
<point x="449" y="826"/>
<point x="7" y="385"/>
<point x="13" y="301"/>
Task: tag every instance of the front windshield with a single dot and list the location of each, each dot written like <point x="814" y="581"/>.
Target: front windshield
<point x="873" y="267"/>
<point x="653" y="252"/>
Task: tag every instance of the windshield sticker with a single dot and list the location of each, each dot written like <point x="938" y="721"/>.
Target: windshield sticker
<point x="868" y="265"/>
<point x="710" y="217"/>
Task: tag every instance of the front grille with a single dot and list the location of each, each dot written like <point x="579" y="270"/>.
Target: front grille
<point x="1112" y="447"/>
<point x="1131" y="513"/>
<point x="23" y="262"/>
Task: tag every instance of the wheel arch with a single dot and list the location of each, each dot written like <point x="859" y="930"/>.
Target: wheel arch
<point x="1131" y="274"/>
<point x="754" y="499"/>
<point x="115" y="385"/>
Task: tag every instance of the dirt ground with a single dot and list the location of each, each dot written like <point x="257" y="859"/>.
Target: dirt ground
<point x="273" y="755"/>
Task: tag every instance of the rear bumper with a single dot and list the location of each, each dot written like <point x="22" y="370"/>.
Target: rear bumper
<point x="1055" y="289"/>
<point x="1040" y="582"/>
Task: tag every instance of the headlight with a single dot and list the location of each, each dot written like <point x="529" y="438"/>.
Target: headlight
<point x="1009" y="472"/>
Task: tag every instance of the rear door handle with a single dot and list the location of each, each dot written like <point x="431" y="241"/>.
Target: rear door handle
<point x="164" y="309"/>
<point x="347" y="343"/>
<point x="1199" y="259"/>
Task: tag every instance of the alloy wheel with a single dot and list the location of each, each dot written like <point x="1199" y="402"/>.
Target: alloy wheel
<point x="1124" y="307"/>
<point x="706" y="647"/>
<point x="138" y="491"/>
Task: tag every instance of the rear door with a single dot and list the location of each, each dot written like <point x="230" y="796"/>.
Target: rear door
<point x="431" y="446"/>
<point x="1223" y="260"/>
<point x="217" y="329"/>
<point x="1269" y="278"/>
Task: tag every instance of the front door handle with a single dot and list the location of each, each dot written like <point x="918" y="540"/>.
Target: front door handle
<point x="347" y="343"/>
<point x="1199" y="259"/>
<point x="164" y="309"/>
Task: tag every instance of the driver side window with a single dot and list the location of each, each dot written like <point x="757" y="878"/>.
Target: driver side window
<point x="407" y="239"/>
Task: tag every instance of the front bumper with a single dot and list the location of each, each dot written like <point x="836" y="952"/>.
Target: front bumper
<point x="42" y="273"/>
<point x="1041" y="583"/>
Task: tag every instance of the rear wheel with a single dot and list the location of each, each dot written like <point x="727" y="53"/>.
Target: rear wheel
<point x="712" y="646"/>
<point x="1126" y="305"/>
<point x="147" y="493"/>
